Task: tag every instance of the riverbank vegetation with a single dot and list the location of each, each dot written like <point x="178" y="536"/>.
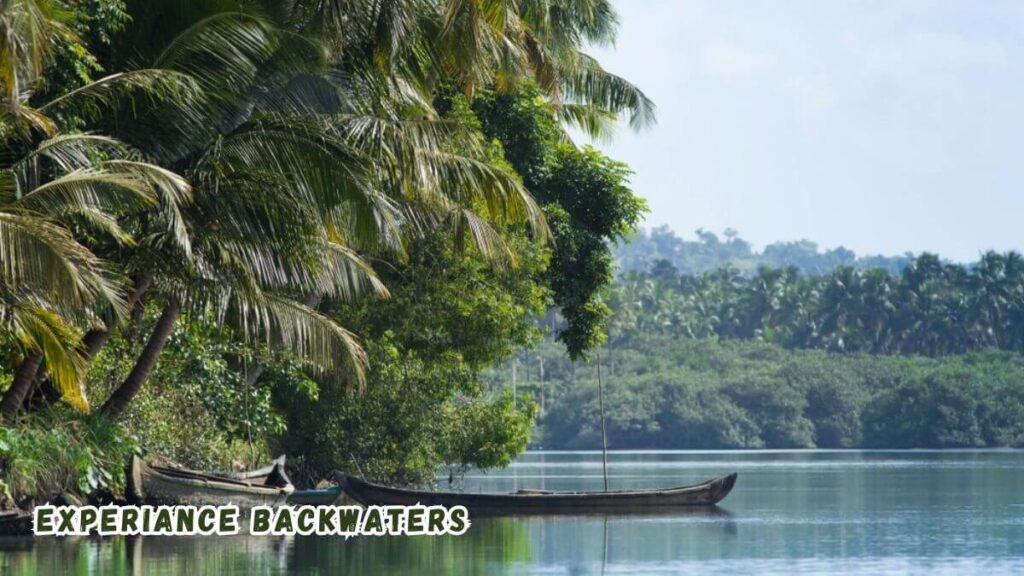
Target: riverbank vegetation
<point x="670" y="393"/>
<point x="927" y="357"/>
<point x="229" y="228"/>
<point x="233" y="228"/>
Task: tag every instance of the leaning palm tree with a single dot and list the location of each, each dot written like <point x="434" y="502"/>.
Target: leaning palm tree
<point x="296" y="168"/>
<point x="51" y="283"/>
<point x="54" y="188"/>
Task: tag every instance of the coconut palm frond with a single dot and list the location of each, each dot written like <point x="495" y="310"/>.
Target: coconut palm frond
<point x="67" y="152"/>
<point x="132" y="90"/>
<point x="43" y="257"/>
<point x="596" y="122"/>
<point x="318" y="339"/>
<point x="585" y="81"/>
<point x="346" y="276"/>
<point x="223" y="53"/>
<point x="38" y="328"/>
<point x="474" y="183"/>
<point x="93" y="187"/>
<point x="466" y="224"/>
<point x="29" y="32"/>
<point x="172" y="193"/>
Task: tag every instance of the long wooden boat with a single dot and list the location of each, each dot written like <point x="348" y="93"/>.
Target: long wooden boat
<point x="159" y="485"/>
<point x="257" y="475"/>
<point x="263" y="474"/>
<point x="704" y="494"/>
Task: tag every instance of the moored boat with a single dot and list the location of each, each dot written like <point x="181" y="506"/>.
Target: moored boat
<point x="259" y="474"/>
<point x="704" y="494"/>
<point x="158" y="485"/>
<point x="256" y="475"/>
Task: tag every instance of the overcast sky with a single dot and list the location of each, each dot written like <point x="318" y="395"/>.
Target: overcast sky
<point x="884" y="126"/>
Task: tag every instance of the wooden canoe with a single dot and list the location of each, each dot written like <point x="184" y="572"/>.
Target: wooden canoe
<point x="263" y="474"/>
<point x="256" y="475"/>
<point x="171" y="486"/>
<point x="704" y="494"/>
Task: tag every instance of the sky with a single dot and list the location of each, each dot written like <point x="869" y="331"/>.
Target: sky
<point x="882" y="126"/>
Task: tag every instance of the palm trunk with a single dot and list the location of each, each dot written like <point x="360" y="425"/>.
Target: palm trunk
<point x="93" y="341"/>
<point x="20" y="386"/>
<point x="119" y="400"/>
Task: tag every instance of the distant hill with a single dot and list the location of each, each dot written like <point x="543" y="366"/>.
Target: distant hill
<point x="710" y="252"/>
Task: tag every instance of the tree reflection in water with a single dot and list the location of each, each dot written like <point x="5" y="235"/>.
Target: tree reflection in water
<point x="491" y="545"/>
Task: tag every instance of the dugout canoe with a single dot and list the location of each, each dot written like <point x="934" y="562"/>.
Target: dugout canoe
<point x="705" y="494"/>
<point x="259" y="475"/>
<point x="256" y="475"/>
<point x="157" y="485"/>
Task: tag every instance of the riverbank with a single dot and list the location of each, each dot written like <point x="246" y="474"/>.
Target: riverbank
<point x="670" y="393"/>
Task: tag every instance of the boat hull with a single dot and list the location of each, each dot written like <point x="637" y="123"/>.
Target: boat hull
<point x="705" y="494"/>
<point x="163" y="486"/>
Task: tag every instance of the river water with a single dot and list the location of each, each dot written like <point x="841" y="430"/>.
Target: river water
<point x="792" y="512"/>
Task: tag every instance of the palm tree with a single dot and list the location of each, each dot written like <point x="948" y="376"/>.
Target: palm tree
<point x="481" y="43"/>
<point x="876" y="310"/>
<point x="51" y="283"/>
<point x="762" y="301"/>
<point x="53" y="185"/>
<point x="296" y="168"/>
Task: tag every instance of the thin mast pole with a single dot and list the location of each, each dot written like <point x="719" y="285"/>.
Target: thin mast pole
<point x="604" y="434"/>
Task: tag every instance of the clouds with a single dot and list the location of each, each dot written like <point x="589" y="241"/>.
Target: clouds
<point x="730" y="62"/>
<point x="813" y="92"/>
<point x="874" y="124"/>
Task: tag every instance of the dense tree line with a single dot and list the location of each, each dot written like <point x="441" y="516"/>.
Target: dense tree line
<point x="210" y="207"/>
<point x="930" y="308"/>
<point x="710" y="252"/>
<point x="670" y="393"/>
<point x="927" y="357"/>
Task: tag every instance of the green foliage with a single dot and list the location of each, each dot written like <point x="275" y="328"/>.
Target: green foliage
<point x="58" y="451"/>
<point x="200" y="385"/>
<point x="94" y="23"/>
<point x="586" y="199"/>
<point x="593" y="190"/>
<point x="449" y="317"/>
<point x="486" y="434"/>
<point x="662" y="392"/>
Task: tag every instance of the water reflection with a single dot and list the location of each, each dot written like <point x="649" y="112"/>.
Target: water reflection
<point x="492" y="545"/>
<point x="796" y="512"/>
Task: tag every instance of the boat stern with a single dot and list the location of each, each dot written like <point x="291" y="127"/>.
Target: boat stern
<point x="720" y="487"/>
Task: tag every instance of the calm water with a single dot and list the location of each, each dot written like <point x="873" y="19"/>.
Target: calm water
<point x="791" y="512"/>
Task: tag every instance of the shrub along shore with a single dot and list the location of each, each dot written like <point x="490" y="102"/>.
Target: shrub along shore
<point x="670" y="393"/>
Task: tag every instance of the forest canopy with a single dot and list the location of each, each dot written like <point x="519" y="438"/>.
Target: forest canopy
<point x="926" y="357"/>
<point x="231" y="227"/>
